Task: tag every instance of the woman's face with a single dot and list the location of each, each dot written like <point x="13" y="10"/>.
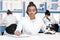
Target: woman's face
<point x="47" y="16"/>
<point x="31" y="12"/>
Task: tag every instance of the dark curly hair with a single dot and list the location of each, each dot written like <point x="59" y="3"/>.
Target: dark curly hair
<point x="47" y="12"/>
<point x="31" y="4"/>
<point x="9" y="12"/>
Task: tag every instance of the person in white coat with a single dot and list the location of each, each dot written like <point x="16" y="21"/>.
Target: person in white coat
<point x="30" y="24"/>
<point x="50" y="21"/>
<point x="2" y="25"/>
<point x="10" y="22"/>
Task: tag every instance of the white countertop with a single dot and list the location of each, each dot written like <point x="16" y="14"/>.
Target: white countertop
<point x="40" y="36"/>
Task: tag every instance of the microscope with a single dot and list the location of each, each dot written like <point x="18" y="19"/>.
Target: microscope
<point x="49" y="29"/>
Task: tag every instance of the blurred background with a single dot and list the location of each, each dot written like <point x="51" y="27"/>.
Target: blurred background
<point x="18" y="7"/>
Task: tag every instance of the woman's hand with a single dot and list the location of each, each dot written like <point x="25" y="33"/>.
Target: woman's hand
<point x="17" y="33"/>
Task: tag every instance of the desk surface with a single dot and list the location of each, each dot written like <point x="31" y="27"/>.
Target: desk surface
<point x="40" y="36"/>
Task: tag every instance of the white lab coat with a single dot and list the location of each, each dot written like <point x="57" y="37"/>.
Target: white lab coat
<point x="47" y="22"/>
<point x="1" y="22"/>
<point x="30" y="26"/>
<point x="8" y="20"/>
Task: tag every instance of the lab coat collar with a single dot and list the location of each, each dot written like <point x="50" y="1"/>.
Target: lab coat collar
<point x="10" y="15"/>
